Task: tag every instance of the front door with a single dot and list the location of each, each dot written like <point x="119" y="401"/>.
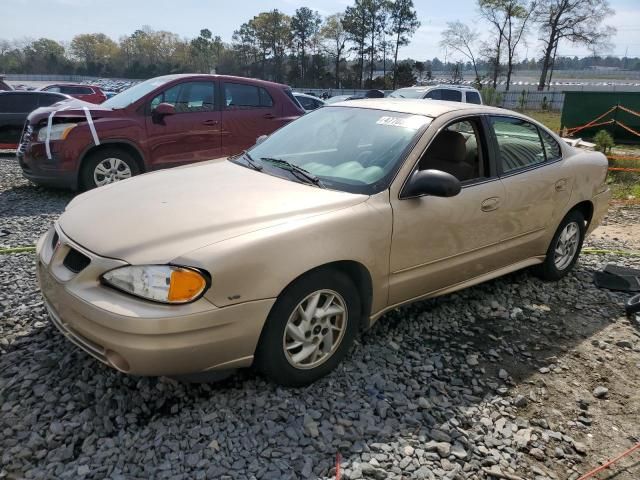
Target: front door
<point x="440" y="242"/>
<point x="192" y="134"/>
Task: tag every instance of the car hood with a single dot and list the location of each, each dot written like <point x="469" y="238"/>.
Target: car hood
<point x="68" y="108"/>
<point x="159" y="216"/>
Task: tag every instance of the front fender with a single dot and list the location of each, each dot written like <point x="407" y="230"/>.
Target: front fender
<point x="263" y="263"/>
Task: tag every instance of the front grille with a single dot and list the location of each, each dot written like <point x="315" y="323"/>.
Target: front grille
<point x="27" y="133"/>
<point x="76" y="261"/>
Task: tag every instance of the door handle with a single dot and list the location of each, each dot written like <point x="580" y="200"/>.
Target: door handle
<point x="490" y="204"/>
<point x="561" y="185"/>
<point x="269" y="115"/>
<point x="210" y="122"/>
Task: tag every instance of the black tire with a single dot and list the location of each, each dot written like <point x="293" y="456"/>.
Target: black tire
<point x="633" y="305"/>
<point x="549" y="270"/>
<point x="87" y="180"/>
<point x="271" y="358"/>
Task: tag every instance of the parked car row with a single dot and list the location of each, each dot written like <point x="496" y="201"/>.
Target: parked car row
<point x="160" y="123"/>
<point x="279" y="256"/>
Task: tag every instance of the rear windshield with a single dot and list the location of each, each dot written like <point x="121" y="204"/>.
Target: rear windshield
<point x="135" y="93"/>
<point x="408" y="93"/>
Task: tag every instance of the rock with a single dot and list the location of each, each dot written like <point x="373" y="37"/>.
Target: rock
<point x="624" y="344"/>
<point x="83" y="470"/>
<point x="520" y="401"/>
<point x="503" y="374"/>
<point x="472" y="360"/>
<point x="601" y="392"/>
<point x="580" y="447"/>
<point x="537" y="453"/>
<point x="544" y="370"/>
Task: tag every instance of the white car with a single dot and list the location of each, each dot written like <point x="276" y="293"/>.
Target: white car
<point x="308" y="102"/>
<point x="451" y="93"/>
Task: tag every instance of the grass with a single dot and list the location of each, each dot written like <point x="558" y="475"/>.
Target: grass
<point x="549" y="119"/>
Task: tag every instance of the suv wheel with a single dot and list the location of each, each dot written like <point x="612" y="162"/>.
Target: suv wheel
<point x="107" y="166"/>
<point x="565" y="247"/>
<point x="310" y="329"/>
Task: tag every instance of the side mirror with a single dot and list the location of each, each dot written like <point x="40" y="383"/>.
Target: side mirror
<point x="164" y="109"/>
<point x="432" y="182"/>
<point x="261" y="139"/>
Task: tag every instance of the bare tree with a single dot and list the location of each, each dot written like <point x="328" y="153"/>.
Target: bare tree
<point x="510" y="19"/>
<point x="577" y="21"/>
<point x="335" y="40"/>
<point x="462" y="39"/>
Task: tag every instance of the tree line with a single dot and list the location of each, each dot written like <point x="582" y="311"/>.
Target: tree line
<point x="356" y="48"/>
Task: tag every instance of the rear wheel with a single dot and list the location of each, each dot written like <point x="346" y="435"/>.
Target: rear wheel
<point x="310" y="329"/>
<point x="107" y="166"/>
<point x="565" y="247"/>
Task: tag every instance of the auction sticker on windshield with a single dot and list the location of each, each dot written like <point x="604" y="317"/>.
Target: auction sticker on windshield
<point x="413" y="122"/>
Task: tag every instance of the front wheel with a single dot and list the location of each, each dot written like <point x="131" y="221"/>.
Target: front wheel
<point x="565" y="247"/>
<point x="107" y="166"/>
<point x="310" y="329"/>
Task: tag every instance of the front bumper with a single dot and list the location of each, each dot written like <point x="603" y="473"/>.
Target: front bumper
<point x="56" y="172"/>
<point x="140" y="337"/>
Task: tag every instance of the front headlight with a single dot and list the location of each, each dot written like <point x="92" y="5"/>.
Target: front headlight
<point x="59" y="131"/>
<point x="160" y="283"/>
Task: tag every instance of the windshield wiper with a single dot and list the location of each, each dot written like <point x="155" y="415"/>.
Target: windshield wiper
<point x="293" y="168"/>
<point x="249" y="159"/>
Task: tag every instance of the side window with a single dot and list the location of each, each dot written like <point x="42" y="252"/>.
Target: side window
<point x="46" y="99"/>
<point x="188" y="97"/>
<point x="452" y="95"/>
<point x="52" y="89"/>
<point x="434" y="94"/>
<point x="458" y="150"/>
<point x="519" y="143"/>
<point x="307" y="103"/>
<point x="241" y="95"/>
<point x="473" y="97"/>
<point x="551" y="147"/>
<point x="19" y="103"/>
<point x="265" y="98"/>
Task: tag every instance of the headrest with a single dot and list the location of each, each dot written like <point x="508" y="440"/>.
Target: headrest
<point x="449" y="146"/>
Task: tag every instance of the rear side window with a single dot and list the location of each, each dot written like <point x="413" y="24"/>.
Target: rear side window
<point x="53" y="88"/>
<point x="18" y="103"/>
<point x="434" y="94"/>
<point x="452" y="95"/>
<point x="289" y="93"/>
<point x="47" y="99"/>
<point x="188" y="97"/>
<point x="246" y="96"/>
<point x="473" y="97"/>
<point x="551" y="147"/>
<point x="519" y="143"/>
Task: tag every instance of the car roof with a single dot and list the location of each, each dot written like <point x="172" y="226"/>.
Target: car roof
<point x="33" y="92"/>
<point x="230" y="78"/>
<point x="431" y="87"/>
<point x="430" y="108"/>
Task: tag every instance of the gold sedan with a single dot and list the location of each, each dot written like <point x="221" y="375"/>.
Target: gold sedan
<point x="278" y="257"/>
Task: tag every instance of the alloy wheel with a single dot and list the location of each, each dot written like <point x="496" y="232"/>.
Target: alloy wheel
<point x="111" y="170"/>
<point x="315" y="329"/>
<point x="566" y="245"/>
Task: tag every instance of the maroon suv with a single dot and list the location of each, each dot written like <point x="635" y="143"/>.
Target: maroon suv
<point x="87" y="93"/>
<point x="162" y="122"/>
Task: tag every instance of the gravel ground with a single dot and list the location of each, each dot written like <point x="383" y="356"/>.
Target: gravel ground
<point x="512" y="379"/>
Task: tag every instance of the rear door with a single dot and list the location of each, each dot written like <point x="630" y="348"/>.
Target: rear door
<point x="192" y="134"/>
<point x="537" y="185"/>
<point x="249" y="111"/>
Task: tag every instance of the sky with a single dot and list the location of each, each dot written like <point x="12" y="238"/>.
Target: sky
<point x="62" y="19"/>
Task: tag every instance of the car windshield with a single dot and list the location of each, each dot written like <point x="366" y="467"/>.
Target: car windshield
<point x="133" y="94"/>
<point x="350" y="149"/>
<point x="408" y="93"/>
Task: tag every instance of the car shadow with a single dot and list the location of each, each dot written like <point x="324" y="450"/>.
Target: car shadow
<point x="422" y="373"/>
<point x="28" y="200"/>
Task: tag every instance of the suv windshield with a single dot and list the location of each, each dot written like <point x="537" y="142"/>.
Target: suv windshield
<point x="351" y="149"/>
<point x="408" y="93"/>
<point x="133" y="94"/>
